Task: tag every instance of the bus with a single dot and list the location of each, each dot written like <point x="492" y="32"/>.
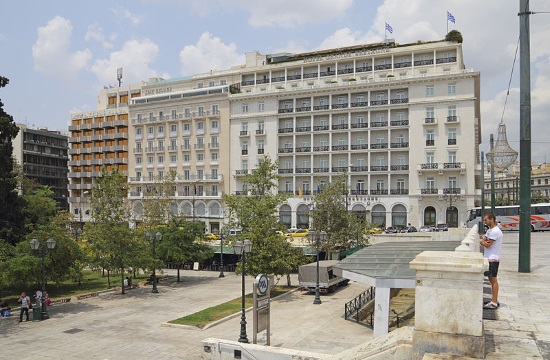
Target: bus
<point x="508" y="216"/>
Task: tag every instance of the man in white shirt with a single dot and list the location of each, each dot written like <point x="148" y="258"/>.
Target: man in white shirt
<point x="492" y="242"/>
<point x="25" y="302"/>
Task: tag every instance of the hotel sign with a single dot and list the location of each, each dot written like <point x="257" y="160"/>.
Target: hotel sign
<point x="158" y="91"/>
<point x="346" y="55"/>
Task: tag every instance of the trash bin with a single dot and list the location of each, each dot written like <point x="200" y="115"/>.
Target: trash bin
<point x="36" y="315"/>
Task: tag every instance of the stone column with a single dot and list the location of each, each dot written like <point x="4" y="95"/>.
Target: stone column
<point x="448" y="304"/>
<point x="381" y="311"/>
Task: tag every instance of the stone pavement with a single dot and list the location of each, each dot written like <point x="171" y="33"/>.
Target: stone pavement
<point x="117" y="327"/>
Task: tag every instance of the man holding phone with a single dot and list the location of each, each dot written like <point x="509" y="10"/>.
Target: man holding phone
<point x="25" y="302"/>
<point x="492" y="244"/>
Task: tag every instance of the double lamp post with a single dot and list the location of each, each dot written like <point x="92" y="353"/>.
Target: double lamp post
<point x="317" y="237"/>
<point x="50" y="244"/>
<point x="243" y="248"/>
<point x="154" y="239"/>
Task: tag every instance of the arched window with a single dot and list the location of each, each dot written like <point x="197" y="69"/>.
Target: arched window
<point x="214" y="209"/>
<point x="379" y="215"/>
<point x="285" y="215"/>
<point x="187" y="209"/>
<point x="174" y="209"/>
<point x="399" y="216"/>
<point x="138" y="209"/>
<point x="360" y="211"/>
<point x="201" y="209"/>
<point x="429" y="216"/>
<point x="302" y="221"/>
<point x="452" y="216"/>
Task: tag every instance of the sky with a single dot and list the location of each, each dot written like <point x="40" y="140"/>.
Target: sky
<point x="59" y="54"/>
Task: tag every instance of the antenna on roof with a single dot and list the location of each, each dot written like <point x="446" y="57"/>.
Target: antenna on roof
<point x="119" y="76"/>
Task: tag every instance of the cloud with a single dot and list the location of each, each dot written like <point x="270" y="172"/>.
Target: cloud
<point x="51" y="51"/>
<point x="210" y="53"/>
<point x="124" y="14"/>
<point x="290" y="13"/>
<point x="135" y="57"/>
<point x="95" y="33"/>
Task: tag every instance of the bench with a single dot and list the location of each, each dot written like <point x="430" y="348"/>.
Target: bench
<point x="59" y="301"/>
<point x="87" y="295"/>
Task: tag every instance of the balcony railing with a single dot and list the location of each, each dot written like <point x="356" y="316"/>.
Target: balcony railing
<point x="310" y="75"/>
<point x="379" y="124"/>
<point x="199" y="146"/>
<point x="382" y="66"/>
<point x="244" y="152"/>
<point x="429" y="191"/>
<point x="339" y="169"/>
<point x="241" y="172"/>
<point x="340" y="106"/>
<point x="379" y="168"/>
<point x="244" y="133"/>
<point x="294" y="77"/>
<point x="378" y="102"/>
<point x="303" y="170"/>
<point x="339" y="147"/>
<point x="303" y="108"/>
<point x="359" y="168"/>
<point x="186" y="147"/>
<point x="452" y="165"/>
<point x="303" y="129"/>
<point x="285" y="130"/>
<point x="399" y="167"/>
<point x="304" y="192"/>
<point x="359" y="192"/>
<point x="321" y="170"/>
<point x="303" y="149"/>
<point x="379" y="146"/>
<point x="345" y="71"/>
<point x="445" y="60"/>
<point x="379" y="192"/>
<point x="262" y="81"/>
<point x="430" y="142"/>
<point x="277" y="79"/>
<point x="321" y="148"/>
<point x="320" y="107"/>
<point x="429" y="120"/>
<point x="451" y="191"/>
<point x="452" y="118"/>
<point x="399" y="122"/>
<point x="451" y="142"/>
<point x="328" y="73"/>
<point x="423" y="62"/>
<point x="359" y="104"/>
<point x="213" y="145"/>
<point x="399" y="101"/>
<point x="284" y="111"/>
<point x="260" y="151"/>
<point x="285" y="150"/>
<point x="359" y="147"/>
<point x="286" y="171"/>
<point x="260" y="132"/>
<point x="339" y="126"/>
<point x="247" y="82"/>
<point x="402" y="144"/>
<point x="399" y="191"/>
<point x="363" y="68"/>
<point x="359" y="126"/>
<point x="428" y="166"/>
<point x="402" y="64"/>
<point x="320" y="127"/>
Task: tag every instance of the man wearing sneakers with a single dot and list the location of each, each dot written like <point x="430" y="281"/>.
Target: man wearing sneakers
<point x="492" y="243"/>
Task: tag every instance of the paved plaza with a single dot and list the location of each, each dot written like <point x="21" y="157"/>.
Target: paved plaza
<point x="115" y="326"/>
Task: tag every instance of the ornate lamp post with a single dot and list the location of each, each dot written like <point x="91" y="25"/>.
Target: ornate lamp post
<point x="243" y="249"/>
<point x="222" y="238"/>
<point x="317" y="236"/>
<point x="154" y="239"/>
<point x="35" y="244"/>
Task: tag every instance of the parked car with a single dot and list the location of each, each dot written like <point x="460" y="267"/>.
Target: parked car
<point x="373" y="231"/>
<point x="391" y="230"/>
<point x="213" y="236"/>
<point x="297" y="233"/>
<point x="426" y="228"/>
<point x="409" y="229"/>
<point x="442" y="227"/>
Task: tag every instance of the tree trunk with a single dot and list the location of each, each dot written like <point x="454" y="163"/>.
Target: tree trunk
<point x="179" y="273"/>
<point x="288" y="280"/>
<point x="122" y="279"/>
<point x="108" y="279"/>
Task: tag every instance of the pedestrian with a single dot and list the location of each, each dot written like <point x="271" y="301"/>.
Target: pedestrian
<point x="25" y="303"/>
<point x="38" y="297"/>
<point x="492" y="244"/>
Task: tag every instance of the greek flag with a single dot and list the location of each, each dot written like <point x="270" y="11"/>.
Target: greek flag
<point x="450" y="17"/>
<point x="389" y="28"/>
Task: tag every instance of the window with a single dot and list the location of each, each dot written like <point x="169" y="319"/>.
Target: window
<point x="139" y="132"/>
<point x="381" y="96"/>
<point x="160" y="130"/>
<point x="151" y="117"/>
<point x="138" y="159"/>
<point x="452" y="182"/>
<point x="323" y="122"/>
<point x="151" y="131"/>
<point x="211" y="83"/>
<point x="186" y="143"/>
<point x="323" y="163"/>
<point x="379" y="184"/>
<point x="360" y="140"/>
<point x="342" y="141"/>
<point x="173" y="128"/>
<point x="341" y="120"/>
<point x="161" y="115"/>
<point x="430" y="157"/>
<point x="214" y="141"/>
<point x="288" y="164"/>
<point x="186" y="175"/>
<point x="400" y="184"/>
<point x="342" y="162"/>
<point x="244" y="128"/>
<point x="323" y="101"/>
<point x="223" y="82"/>
<point x="187" y="112"/>
<point x="341" y="100"/>
<point x="360" y="162"/>
<point x="173" y="159"/>
<point x="430" y="183"/>
<point x="430" y="90"/>
<point x="380" y="117"/>
<point x="451" y="111"/>
<point x="430" y="112"/>
<point x="323" y="142"/>
<point x="200" y="157"/>
<point x="451" y="89"/>
<point x="288" y="124"/>
<point x="139" y="118"/>
<point x="150" y="159"/>
<point x="245" y="108"/>
<point x="200" y="110"/>
<point x="400" y="94"/>
<point x="401" y="160"/>
<point x="380" y="139"/>
<point x="200" y="126"/>
<point x="161" y="159"/>
<point x="452" y="156"/>
<point x="161" y="145"/>
<point x="261" y="106"/>
<point x="200" y="176"/>
<point x="452" y="133"/>
<point x="400" y="139"/>
<point x="215" y="109"/>
<point x="261" y="127"/>
<point x="187" y="127"/>
<point x="200" y="85"/>
<point x="174" y="114"/>
<point x="244" y="165"/>
<point x="288" y="186"/>
<point x="214" y="156"/>
<point x="360" y="119"/>
<point x="380" y="161"/>
<point x="261" y="144"/>
<point x="214" y="174"/>
<point x="186" y="158"/>
<point x="401" y="116"/>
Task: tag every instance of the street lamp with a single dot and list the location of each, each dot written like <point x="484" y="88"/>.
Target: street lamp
<point x="450" y="198"/>
<point x="35" y="244"/>
<point x="155" y="238"/>
<point x="242" y="249"/>
<point x="222" y="237"/>
<point x="317" y="236"/>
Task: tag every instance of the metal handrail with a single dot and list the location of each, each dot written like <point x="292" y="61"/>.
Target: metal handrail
<point x="355" y="305"/>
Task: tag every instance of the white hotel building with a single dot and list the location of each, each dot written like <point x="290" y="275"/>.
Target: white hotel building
<point x="402" y="121"/>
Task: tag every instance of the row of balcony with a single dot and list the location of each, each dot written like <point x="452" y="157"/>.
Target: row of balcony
<point x="189" y="194"/>
<point x="99" y="125"/>
<point x="445" y="191"/>
<point x="88" y="138"/>
<point x="185" y="116"/>
<point x="360" y="69"/>
<point x="175" y="148"/>
<point x="190" y="179"/>
<point x="98" y="162"/>
<point x="433" y="121"/>
<point x="442" y="166"/>
<point x="336" y="169"/>
<point x="351" y="193"/>
<point x="344" y="105"/>
<point x="98" y="149"/>
<point x="373" y="124"/>
<point x="377" y="146"/>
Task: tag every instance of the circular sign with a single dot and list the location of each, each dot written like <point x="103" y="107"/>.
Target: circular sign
<point x="263" y="284"/>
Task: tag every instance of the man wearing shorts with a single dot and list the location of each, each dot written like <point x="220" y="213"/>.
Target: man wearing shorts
<point x="492" y="243"/>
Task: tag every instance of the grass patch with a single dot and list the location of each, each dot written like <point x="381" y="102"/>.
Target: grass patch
<point x="214" y="313"/>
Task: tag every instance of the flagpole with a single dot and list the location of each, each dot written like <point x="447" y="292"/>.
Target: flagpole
<point x="447" y="23"/>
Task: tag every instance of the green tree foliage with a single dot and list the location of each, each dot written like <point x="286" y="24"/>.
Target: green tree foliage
<point x="11" y="219"/>
<point x="182" y="242"/>
<point x="454" y="35"/>
<point x="112" y="242"/>
<point x="330" y="215"/>
<point x="157" y="200"/>
<point x="256" y="215"/>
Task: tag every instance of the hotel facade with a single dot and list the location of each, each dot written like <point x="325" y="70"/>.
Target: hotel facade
<point x="402" y="122"/>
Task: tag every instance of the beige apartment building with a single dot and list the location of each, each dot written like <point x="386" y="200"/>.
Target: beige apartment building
<point x="181" y="126"/>
<point x="402" y="121"/>
<point x="98" y="138"/>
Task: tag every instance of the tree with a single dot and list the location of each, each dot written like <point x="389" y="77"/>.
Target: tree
<point x="113" y="242"/>
<point x="454" y="35"/>
<point x="330" y="215"/>
<point x="11" y="219"/>
<point x="182" y="242"/>
<point x="256" y="215"/>
<point x="158" y="198"/>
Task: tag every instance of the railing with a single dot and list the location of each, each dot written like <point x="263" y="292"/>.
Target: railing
<point x="340" y="106"/>
<point x="339" y="169"/>
<point x="430" y="142"/>
<point x="321" y="148"/>
<point x="423" y="62"/>
<point x="399" y="167"/>
<point x="428" y="166"/>
<point x="345" y="71"/>
<point x="379" y="124"/>
<point x="260" y="151"/>
<point x="247" y="82"/>
<point x="286" y="171"/>
<point x="321" y="170"/>
<point x="284" y="111"/>
<point x="303" y="170"/>
<point x="320" y="127"/>
<point x="303" y="129"/>
<point x="294" y="77"/>
<point x="354" y="306"/>
<point x="285" y="130"/>
<point x="359" y="125"/>
<point x="328" y="73"/>
<point x="379" y="168"/>
<point x="359" y="192"/>
<point x="304" y="192"/>
<point x="339" y="147"/>
<point x="260" y="132"/>
<point x="320" y="107"/>
<point x="359" y="147"/>
<point x="403" y="144"/>
<point x="359" y="168"/>
<point x="379" y="146"/>
<point x="339" y="126"/>
<point x="446" y="60"/>
<point x="452" y="118"/>
<point x="262" y="81"/>
<point x="243" y="133"/>
<point x="363" y="68"/>
<point x="285" y="150"/>
<point x="402" y="64"/>
<point x="451" y="191"/>
<point x="310" y="75"/>
<point x="452" y="165"/>
<point x="399" y="101"/>
<point x="399" y="191"/>
<point x="379" y="192"/>
<point x="359" y="104"/>
<point x="378" y="102"/>
<point x="277" y="79"/>
<point x="382" y="67"/>
<point x="241" y="172"/>
<point x="303" y="149"/>
<point x="429" y="120"/>
<point x="399" y="122"/>
<point x="430" y="191"/>
<point x="451" y="142"/>
<point x="303" y="108"/>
